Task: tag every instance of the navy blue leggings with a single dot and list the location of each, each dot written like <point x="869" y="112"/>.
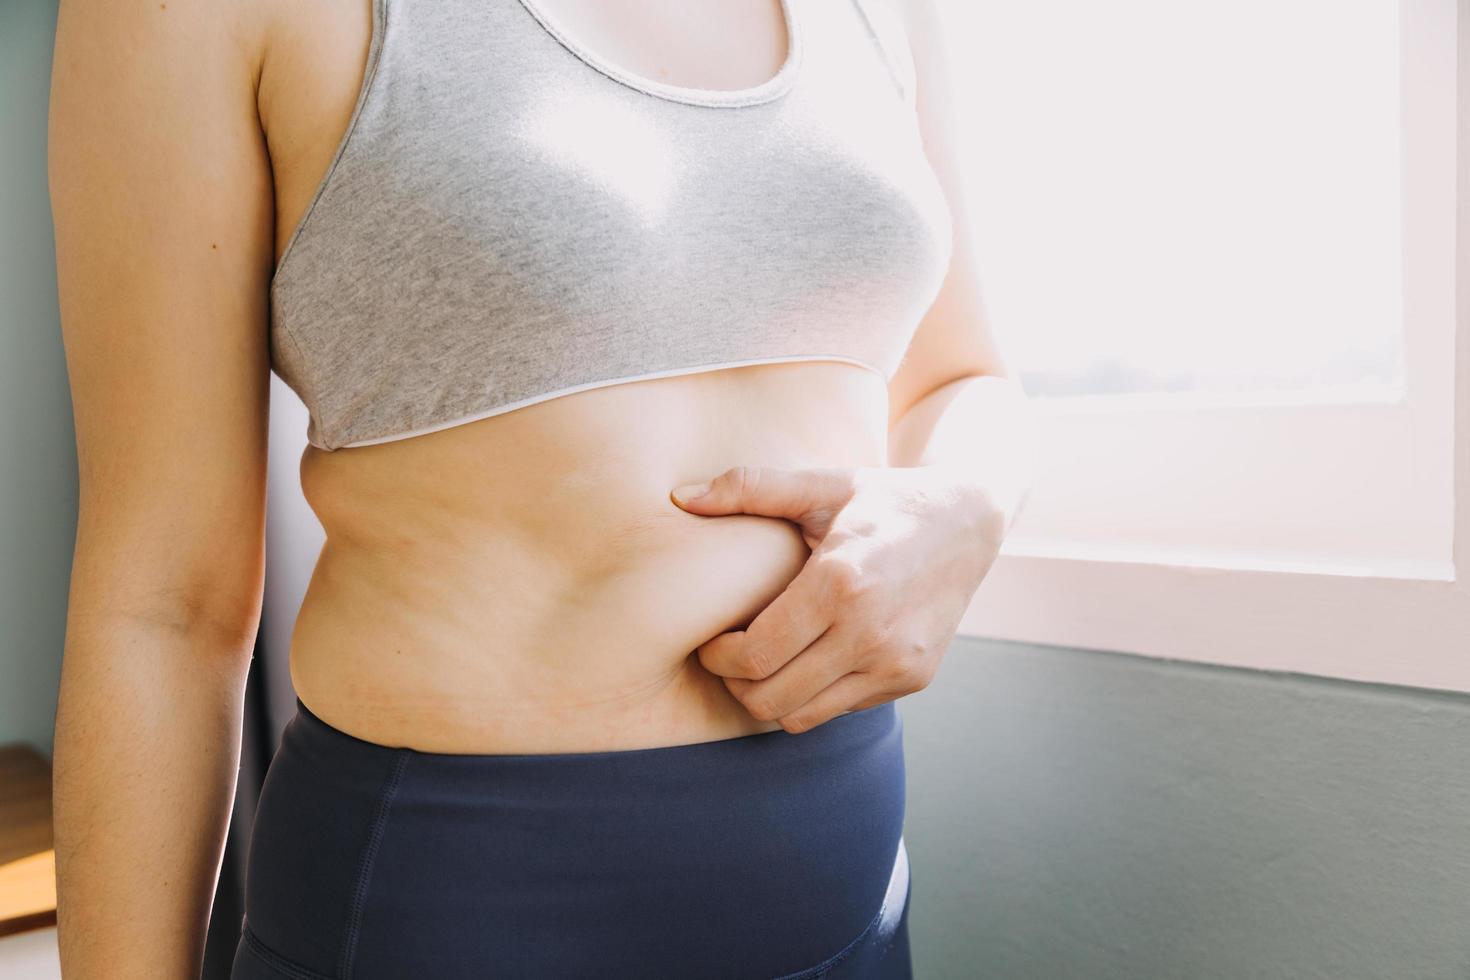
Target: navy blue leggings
<point x="760" y="857"/>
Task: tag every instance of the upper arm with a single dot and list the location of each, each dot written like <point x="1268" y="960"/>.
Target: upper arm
<point x="162" y="204"/>
<point x="954" y="338"/>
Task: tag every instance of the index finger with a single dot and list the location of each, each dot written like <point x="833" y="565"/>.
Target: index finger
<point x="793" y="621"/>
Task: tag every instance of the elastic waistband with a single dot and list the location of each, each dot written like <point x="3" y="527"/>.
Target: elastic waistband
<point x="843" y="730"/>
<point x="771" y="851"/>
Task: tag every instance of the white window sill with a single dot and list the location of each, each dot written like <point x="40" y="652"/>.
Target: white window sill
<point x="1408" y="624"/>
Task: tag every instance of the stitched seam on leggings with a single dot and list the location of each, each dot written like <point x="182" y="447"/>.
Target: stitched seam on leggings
<point x="365" y="867"/>
<point x="278" y="962"/>
<point x="812" y="972"/>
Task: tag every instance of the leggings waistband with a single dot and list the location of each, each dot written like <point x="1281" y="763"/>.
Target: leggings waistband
<point x="765" y="853"/>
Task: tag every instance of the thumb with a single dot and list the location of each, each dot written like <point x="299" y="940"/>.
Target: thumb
<point x="796" y="495"/>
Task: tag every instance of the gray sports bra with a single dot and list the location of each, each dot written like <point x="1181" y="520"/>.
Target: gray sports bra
<point x="509" y="218"/>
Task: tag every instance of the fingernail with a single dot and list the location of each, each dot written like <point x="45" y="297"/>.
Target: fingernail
<point x="691" y="491"/>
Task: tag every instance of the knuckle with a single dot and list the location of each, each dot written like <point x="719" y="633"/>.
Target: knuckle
<point x="844" y="578"/>
<point x="917" y="676"/>
<point x="893" y="673"/>
<point x="758" y="706"/>
<point x="755" y="664"/>
<point x="919" y="680"/>
<point x="744" y="480"/>
<point x="910" y="670"/>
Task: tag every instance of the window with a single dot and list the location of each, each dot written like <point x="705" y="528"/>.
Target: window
<point x="1218" y="243"/>
<point x="1211" y="204"/>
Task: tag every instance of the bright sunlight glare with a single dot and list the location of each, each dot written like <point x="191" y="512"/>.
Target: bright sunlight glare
<point x="1184" y="196"/>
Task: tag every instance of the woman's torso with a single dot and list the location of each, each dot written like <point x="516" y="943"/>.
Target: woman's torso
<point x="522" y="582"/>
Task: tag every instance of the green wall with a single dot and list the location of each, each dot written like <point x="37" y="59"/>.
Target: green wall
<point x="38" y="479"/>
<point x="1074" y="814"/>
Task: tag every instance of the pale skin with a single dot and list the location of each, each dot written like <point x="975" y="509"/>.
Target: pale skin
<point x="848" y="527"/>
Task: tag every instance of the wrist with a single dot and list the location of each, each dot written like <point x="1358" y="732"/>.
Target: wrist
<point x="989" y="505"/>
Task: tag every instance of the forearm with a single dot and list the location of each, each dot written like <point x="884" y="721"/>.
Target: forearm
<point x="147" y="752"/>
<point x="983" y="429"/>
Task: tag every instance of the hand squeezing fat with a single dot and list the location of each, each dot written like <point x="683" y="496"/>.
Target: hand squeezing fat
<point x="896" y="554"/>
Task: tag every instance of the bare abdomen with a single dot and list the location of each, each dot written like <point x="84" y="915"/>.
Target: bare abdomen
<point x="525" y="584"/>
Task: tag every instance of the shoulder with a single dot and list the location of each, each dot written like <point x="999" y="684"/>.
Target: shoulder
<point x="913" y="11"/>
<point x="160" y="40"/>
<point x="911" y="32"/>
<point x="920" y="20"/>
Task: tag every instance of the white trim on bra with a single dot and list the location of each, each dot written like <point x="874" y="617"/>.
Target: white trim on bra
<point x="604" y="383"/>
<point x="769" y="90"/>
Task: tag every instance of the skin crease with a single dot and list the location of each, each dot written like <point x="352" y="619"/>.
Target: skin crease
<point x="522" y="583"/>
